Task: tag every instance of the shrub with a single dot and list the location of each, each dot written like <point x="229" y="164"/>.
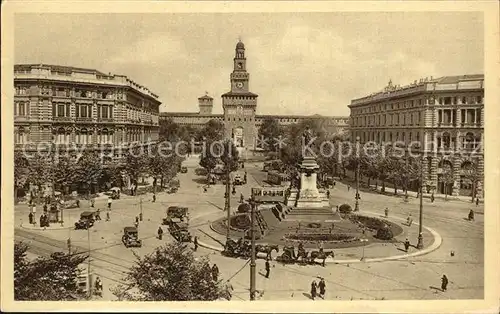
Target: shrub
<point x="384" y="233"/>
<point x="241" y="222"/>
<point x="345" y="209"/>
<point x="314" y="225"/>
<point x="244" y="208"/>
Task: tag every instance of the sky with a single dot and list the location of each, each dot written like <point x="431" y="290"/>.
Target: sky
<point x="299" y="63"/>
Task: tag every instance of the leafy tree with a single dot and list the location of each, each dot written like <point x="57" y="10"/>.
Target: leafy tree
<point x="163" y="164"/>
<point x="212" y="131"/>
<point x="472" y="172"/>
<point x="21" y="172"/>
<point x="170" y="273"/>
<point x="269" y="134"/>
<point x="46" y="279"/>
<point x="169" y="130"/>
<point x="135" y="163"/>
<point x="446" y="178"/>
<point x="63" y="172"/>
<point x="39" y="172"/>
<point x="112" y="175"/>
<point x="89" y="170"/>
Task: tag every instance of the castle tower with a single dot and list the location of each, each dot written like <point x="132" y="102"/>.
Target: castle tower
<point x="205" y="104"/>
<point x="240" y="104"/>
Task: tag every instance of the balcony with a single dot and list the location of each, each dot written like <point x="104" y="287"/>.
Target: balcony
<point x="87" y="119"/>
<point x="105" y="120"/>
<point x="62" y="119"/>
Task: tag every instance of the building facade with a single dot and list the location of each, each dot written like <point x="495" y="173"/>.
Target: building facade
<point x="240" y="117"/>
<point x="74" y="107"/>
<point x="443" y="118"/>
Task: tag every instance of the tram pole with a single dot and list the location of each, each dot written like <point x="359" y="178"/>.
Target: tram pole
<point x="228" y="202"/>
<point x="252" y="257"/>
<point x="356" y="204"/>
<point x="420" y="243"/>
<point x="88" y="267"/>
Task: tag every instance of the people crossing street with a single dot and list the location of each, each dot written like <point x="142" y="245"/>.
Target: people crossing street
<point x="444" y="283"/>
<point x="313" y="289"/>
<point x="322" y="288"/>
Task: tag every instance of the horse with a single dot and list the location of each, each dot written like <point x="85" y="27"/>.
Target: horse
<point x="268" y="249"/>
<point x="320" y="255"/>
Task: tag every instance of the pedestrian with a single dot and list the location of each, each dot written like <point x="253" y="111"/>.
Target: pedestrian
<point x="109" y="202"/>
<point x="471" y="215"/>
<point x="328" y="193"/>
<point x="204" y="189"/>
<point x="268" y="268"/>
<point x="322" y="288"/>
<point x="107" y="216"/>
<point x="477" y="201"/>
<point x="98" y="285"/>
<point x="432" y="198"/>
<point x="313" y="290"/>
<point x="334" y="183"/>
<point x="92" y="202"/>
<point x="386" y="212"/>
<point x="195" y="242"/>
<point x="136" y="224"/>
<point x="407" y="245"/>
<point x="45" y="207"/>
<point x="242" y="198"/>
<point x="409" y="220"/>
<point x="233" y="191"/>
<point x="98" y="214"/>
<point x="444" y="283"/>
<point x="215" y="272"/>
<point x="30" y="217"/>
<point x="348" y="188"/>
<point x="137" y="219"/>
<point x="160" y="233"/>
<point x="154" y="198"/>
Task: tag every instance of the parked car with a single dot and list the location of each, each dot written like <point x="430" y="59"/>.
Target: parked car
<point x="130" y="237"/>
<point x="86" y="221"/>
<point x="238" y="180"/>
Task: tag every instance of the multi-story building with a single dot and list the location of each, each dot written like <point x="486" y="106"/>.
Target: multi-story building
<point x="74" y="107"/>
<point x="239" y="105"/>
<point x="442" y="117"/>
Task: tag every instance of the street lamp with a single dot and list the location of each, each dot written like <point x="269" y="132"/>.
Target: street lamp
<point x="356" y="204"/>
<point x="420" y="243"/>
<point x="228" y="202"/>
<point x="252" y="257"/>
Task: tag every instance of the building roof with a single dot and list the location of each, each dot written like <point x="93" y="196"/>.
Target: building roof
<point x="239" y="94"/>
<point x="58" y="68"/>
<point x="240" y="45"/>
<point x="205" y="97"/>
<point x="458" y="78"/>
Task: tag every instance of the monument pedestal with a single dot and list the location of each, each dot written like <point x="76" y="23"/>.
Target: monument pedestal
<point x="309" y="196"/>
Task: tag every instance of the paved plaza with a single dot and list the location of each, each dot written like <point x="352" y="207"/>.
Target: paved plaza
<point x="407" y="277"/>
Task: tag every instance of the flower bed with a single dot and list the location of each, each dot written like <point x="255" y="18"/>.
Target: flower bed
<point x="240" y="222"/>
<point x="315" y="237"/>
<point x="389" y="229"/>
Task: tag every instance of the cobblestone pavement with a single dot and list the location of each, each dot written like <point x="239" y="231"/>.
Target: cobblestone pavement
<point x="411" y="278"/>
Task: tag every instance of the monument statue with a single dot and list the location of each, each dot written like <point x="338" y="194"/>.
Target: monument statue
<point x="307" y="135"/>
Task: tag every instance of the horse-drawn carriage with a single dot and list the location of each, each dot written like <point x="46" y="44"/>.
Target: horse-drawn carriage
<point x="288" y="256"/>
<point x="243" y="248"/>
<point x="130" y="237"/>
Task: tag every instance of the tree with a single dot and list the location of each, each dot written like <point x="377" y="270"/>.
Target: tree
<point x="162" y="164"/>
<point x="269" y="134"/>
<point x="21" y="171"/>
<point x="212" y="131"/>
<point x="46" y="279"/>
<point x="472" y="173"/>
<point x="63" y="173"/>
<point x="135" y="163"/>
<point x="39" y="172"/>
<point x="170" y="273"/>
<point x="446" y="178"/>
<point x="89" y="170"/>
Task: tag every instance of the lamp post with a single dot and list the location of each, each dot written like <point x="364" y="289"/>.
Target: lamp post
<point x="228" y="201"/>
<point x="252" y="257"/>
<point x="356" y="204"/>
<point x="88" y="267"/>
<point x="140" y="204"/>
<point x="420" y="243"/>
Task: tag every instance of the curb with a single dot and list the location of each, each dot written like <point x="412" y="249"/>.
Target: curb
<point x="438" y="240"/>
<point x="30" y="227"/>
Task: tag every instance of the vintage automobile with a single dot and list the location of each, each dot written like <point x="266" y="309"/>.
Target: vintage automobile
<point x="130" y="237"/>
<point x="175" y="214"/>
<point x="238" y="180"/>
<point x="86" y="220"/>
<point x="184" y="169"/>
<point x="179" y="230"/>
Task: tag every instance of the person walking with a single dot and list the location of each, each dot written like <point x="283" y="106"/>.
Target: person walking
<point x="137" y="219"/>
<point x="107" y="216"/>
<point x="195" y="242"/>
<point x="154" y="198"/>
<point x="215" y="272"/>
<point x="322" y="288"/>
<point x="30" y="218"/>
<point x="268" y="268"/>
<point x="444" y="283"/>
<point x="136" y="224"/>
<point x="477" y="201"/>
<point x="432" y="198"/>
<point x="348" y="188"/>
<point x="471" y="215"/>
<point x="98" y="214"/>
<point x="98" y="286"/>
<point x="92" y="202"/>
<point x="160" y="233"/>
<point x="109" y="202"/>
<point x="386" y="212"/>
<point x="313" y="290"/>
<point x="407" y="245"/>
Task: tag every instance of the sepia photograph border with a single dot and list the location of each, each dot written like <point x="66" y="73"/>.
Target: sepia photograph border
<point x="490" y="10"/>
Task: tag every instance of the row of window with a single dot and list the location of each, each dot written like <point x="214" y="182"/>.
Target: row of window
<point x="467" y="116"/>
<point x="418" y="102"/>
<point x="69" y="92"/>
<point x="239" y="119"/>
<point x="412" y="118"/>
<point x="83" y="137"/>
